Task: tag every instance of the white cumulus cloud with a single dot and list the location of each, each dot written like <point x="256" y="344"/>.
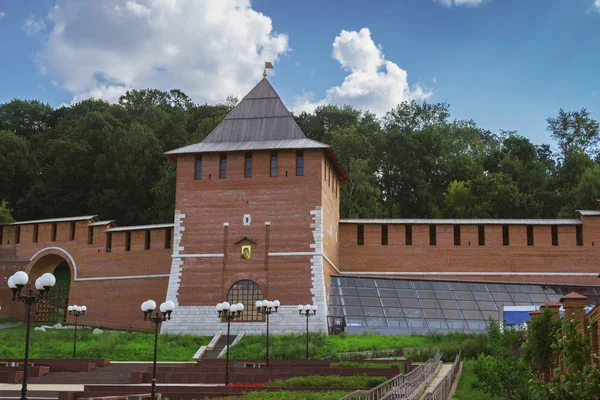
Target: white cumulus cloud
<point x="596" y="5"/>
<point x="459" y="3"/>
<point x="33" y="25"/>
<point x="209" y="49"/>
<point x="373" y="83"/>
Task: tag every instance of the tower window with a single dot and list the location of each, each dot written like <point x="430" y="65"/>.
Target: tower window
<point x="360" y="234"/>
<point x="505" y="236"/>
<point x="18" y="234"/>
<point x="274" y="163"/>
<point x="223" y="166"/>
<point x="408" y="235"/>
<point x="1" y="235"/>
<point x="72" y="231"/>
<point x="300" y="163"/>
<point x="529" y="235"/>
<point x="167" y="238"/>
<point x="36" y="230"/>
<point x="127" y="241"/>
<point x="481" y="234"/>
<point x="579" y="235"/>
<point x="457" y="235"/>
<point x="90" y="235"/>
<point x="248" y="165"/>
<point x="198" y="167"/>
<point x="554" y="235"/>
<point x="108" y="242"/>
<point x="53" y="236"/>
<point x="147" y="240"/>
<point x="384" y="235"/>
<point x="432" y="235"/>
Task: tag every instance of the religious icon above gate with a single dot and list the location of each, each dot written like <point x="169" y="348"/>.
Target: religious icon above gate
<point x="246" y="252"/>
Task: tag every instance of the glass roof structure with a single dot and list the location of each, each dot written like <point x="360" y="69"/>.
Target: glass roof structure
<point x="405" y="306"/>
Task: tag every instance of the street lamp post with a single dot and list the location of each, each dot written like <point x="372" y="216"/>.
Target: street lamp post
<point x="43" y="285"/>
<point x="305" y="311"/>
<point x="229" y="313"/>
<point x="77" y="311"/>
<point x="166" y="309"/>
<point x="267" y="308"/>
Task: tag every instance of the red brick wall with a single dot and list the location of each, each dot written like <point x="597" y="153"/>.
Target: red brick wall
<point x="331" y="217"/>
<point x="111" y="303"/>
<point x="284" y="201"/>
<point x="469" y="256"/>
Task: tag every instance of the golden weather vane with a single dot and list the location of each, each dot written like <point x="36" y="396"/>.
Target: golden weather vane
<point x="268" y="65"/>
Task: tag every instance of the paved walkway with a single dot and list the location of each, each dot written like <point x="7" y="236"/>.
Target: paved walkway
<point x="442" y="372"/>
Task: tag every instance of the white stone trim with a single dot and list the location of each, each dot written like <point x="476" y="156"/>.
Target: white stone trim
<point x="317" y="273"/>
<point x="294" y="253"/>
<point x="595" y="274"/>
<point x="235" y="341"/>
<point x="268" y="223"/>
<point x="210" y="346"/>
<point x="332" y="264"/>
<point x="66" y="253"/>
<point x="176" y="261"/>
<point x="225" y="223"/>
<point x="109" y="278"/>
<point x="199" y="255"/>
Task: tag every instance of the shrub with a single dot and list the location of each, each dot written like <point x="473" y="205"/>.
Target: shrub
<point x="349" y="364"/>
<point x="333" y="381"/>
<point x="283" y="394"/>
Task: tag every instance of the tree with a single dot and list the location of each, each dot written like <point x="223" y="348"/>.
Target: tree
<point x="5" y="216"/>
<point x="573" y="130"/>
<point x="539" y="351"/>
<point x="25" y="118"/>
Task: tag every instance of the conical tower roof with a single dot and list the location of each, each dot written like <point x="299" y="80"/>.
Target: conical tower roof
<point x="259" y="122"/>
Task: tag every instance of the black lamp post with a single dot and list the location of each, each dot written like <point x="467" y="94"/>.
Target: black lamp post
<point x="77" y="311"/>
<point x="166" y="309"/>
<point x="43" y="285"/>
<point x="267" y="308"/>
<point x="229" y="313"/>
<point x="305" y="310"/>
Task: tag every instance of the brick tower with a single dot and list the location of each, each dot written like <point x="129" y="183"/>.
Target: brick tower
<point x="257" y="211"/>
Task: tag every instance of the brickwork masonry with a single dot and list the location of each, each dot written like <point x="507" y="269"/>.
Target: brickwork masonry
<point x="203" y="320"/>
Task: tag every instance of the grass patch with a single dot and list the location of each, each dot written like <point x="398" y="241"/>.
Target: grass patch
<point x="467" y="378"/>
<point x="117" y="346"/>
<point x="417" y="348"/>
<point x="330" y="381"/>
<point x="350" y="364"/>
<point x="283" y="394"/>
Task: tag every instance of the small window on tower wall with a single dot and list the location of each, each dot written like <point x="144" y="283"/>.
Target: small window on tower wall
<point x="579" y="234"/>
<point x="408" y="235"/>
<point x="147" y="241"/>
<point x="223" y="166"/>
<point x="36" y="229"/>
<point x="274" y="163"/>
<point x="529" y="235"/>
<point x="198" y="167"/>
<point x="167" y="238"/>
<point x="108" y="242"/>
<point x="72" y="232"/>
<point x="384" y="235"/>
<point x="505" y="235"/>
<point x="360" y="234"/>
<point x="248" y="165"/>
<point x="53" y="236"/>
<point x="127" y="241"/>
<point x="91" y="235"/>
<point x="18" y="235"/>
<point x="481" y="234"/>
<point x="432" y="235"/>
<point x="554" y="235"/>
<point x="300" y="163"/>
<point x="457" y="235"/>
<point x="1" y="235"/>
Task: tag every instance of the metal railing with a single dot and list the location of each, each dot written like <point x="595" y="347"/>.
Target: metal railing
<point x="443" y="388"/>
<point x="402" y="386"/>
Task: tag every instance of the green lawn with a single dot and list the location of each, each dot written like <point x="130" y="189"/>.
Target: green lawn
<point x="467" y="378"/>
<point x="414" y="347"/>
<point x="117" y="346"/>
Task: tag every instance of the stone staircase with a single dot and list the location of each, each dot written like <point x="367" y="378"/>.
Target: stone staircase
<point x="214" y="353"/>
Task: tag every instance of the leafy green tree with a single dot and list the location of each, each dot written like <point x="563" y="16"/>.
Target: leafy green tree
<point x="573" y="130"/>
<point x="5" y="216"/>
<point x="539" y="350"/>
<point x="25" y="118"/>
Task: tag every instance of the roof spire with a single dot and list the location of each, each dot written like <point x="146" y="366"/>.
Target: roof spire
<point x="268" y="65"/>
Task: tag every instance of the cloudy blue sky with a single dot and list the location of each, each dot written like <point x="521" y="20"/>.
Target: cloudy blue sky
<point x="507" y="64"/>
